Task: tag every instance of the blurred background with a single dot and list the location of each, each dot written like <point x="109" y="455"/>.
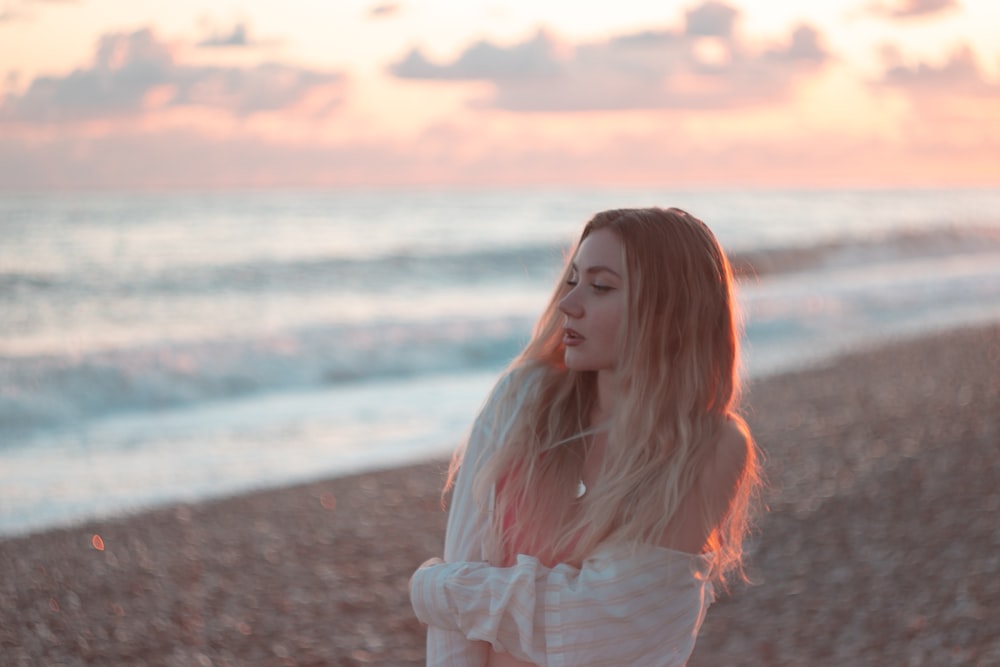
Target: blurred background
<point x="268" y="242"/>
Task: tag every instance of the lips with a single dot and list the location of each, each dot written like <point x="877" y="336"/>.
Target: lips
<point x="572" y="337"/>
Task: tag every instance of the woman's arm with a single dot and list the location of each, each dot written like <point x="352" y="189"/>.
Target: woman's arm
<point x="640" y="609"/>
<point x="464" y="536"/>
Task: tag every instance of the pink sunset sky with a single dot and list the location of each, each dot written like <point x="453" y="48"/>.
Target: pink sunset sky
<point x="747" y="93"/>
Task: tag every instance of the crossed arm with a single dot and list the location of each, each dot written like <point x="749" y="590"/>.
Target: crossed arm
<point x="622" y="609"/>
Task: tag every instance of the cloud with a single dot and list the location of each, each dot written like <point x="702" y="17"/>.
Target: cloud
<point x="959" y="75"/>
<point x="384" y="9"/>
<point x="902" y="9"/>
<point x="535" y="58"/>
<point x="711" y="19"/>
<point x="237" y="36"/>
<point x="704" y="66"/>
<point x="134" y="72"/>
<point x="805" y="46"/>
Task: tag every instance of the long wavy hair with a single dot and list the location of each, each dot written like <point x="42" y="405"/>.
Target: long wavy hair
<point x="677" y="385"/>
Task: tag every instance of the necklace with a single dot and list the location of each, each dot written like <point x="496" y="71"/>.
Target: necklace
<point x="581" y="489"/>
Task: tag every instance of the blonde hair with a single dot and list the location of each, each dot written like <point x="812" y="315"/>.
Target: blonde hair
<point x="678" y="384"/>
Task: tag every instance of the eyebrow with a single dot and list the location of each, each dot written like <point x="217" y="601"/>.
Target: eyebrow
<point x="593" y="270"/>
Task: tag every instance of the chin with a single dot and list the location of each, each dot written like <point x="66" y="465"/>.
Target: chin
<point x="575" y="363"/>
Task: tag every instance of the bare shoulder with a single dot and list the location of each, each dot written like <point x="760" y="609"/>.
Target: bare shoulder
<point x="727" y="469"/>
<point x="718" y="483"/>
<point x="733" y="452"/>
<point x="733" y="460"/>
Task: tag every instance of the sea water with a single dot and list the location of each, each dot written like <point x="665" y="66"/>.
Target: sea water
<point x="170" y="347"/>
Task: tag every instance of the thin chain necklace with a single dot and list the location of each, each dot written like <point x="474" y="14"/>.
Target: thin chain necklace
<point x="581" y="486"/>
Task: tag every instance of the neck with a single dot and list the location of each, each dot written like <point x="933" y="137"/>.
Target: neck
<point x="606" y="389"/>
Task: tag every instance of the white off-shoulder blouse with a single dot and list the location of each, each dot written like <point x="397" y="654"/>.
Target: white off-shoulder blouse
<point x="620" y="608"/>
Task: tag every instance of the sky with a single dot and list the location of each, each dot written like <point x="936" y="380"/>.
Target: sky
<point x="144" y="94"/>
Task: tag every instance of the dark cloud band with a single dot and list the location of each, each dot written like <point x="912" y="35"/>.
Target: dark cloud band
<point x="660" y="69"/>
<point x="129" y="67"/>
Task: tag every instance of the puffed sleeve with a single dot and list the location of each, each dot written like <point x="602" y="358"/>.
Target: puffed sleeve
<point x="621" y="608"/>
<point x="465" y="532"/>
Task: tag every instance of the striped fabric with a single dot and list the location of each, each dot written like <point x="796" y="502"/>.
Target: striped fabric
<point x="619" y="609"/>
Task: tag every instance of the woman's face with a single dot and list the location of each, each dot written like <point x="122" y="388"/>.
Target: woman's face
<point x="595" y="303"/>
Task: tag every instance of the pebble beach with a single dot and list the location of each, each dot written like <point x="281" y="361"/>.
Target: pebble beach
<point x="880" y="543"/>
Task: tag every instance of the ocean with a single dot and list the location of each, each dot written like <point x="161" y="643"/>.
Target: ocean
<point x="170" y="347"/>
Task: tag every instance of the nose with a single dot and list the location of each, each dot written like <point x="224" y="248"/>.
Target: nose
<point x="570" y="305"/>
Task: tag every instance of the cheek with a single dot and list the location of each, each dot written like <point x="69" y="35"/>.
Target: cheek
<point x="611" y="323"/>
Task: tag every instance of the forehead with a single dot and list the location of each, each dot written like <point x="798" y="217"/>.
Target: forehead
<point x="601" y="248"/>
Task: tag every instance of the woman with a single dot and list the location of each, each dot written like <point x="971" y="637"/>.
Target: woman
<point x="605" y="486"/>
